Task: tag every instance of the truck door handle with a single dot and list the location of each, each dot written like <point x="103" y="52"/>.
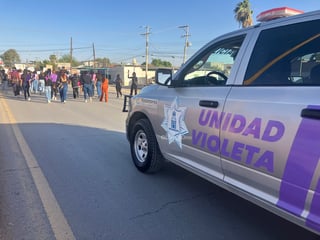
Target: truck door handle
<point x="210" y="104"/>
<point x="310" y="113"/>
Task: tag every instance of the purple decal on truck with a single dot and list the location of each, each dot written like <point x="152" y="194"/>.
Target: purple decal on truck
<point x="313" y="218"/>
<point x="300" y="169"/>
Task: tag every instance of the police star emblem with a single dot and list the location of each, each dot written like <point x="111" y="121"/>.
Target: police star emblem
<point x="173" y="122"/>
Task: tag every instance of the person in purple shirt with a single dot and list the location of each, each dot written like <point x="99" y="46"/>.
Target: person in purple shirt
<point x="26" y="78"/>
<point x="53" y="76"/>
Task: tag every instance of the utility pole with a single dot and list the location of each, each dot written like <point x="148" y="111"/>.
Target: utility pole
<point x="147" y="50"/>
<point x="94" y="56"/>
<point x="186" y="43"/>
<point x="71" y="55"/>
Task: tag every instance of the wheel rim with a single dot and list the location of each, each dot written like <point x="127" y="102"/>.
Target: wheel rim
<point x="141" y="146"/>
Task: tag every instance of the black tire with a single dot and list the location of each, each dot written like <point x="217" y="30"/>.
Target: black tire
<point x="144" y="147"/>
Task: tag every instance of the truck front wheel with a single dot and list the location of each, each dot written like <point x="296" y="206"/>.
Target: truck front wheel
<point x="145" y="151"/>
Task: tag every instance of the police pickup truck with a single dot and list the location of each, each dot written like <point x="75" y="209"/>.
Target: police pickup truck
<point x="243" y="113"/>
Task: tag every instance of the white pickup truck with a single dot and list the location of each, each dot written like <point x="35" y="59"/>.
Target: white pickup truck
<point x="244" y="113"/>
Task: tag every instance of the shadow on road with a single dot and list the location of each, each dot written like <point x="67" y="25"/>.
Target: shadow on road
<point x="103" y="196"/>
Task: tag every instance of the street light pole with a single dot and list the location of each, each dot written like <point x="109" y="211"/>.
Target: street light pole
<point x="94" y="56"/>
<point x="147" y="50"/>
<point x="186" y="43"/>
<point x="71" y="55"/>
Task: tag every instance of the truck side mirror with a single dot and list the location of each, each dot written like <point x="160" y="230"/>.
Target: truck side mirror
<point x="163" y="76"/>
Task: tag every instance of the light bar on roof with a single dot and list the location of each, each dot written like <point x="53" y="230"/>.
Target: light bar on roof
<point x="277" y="13"/>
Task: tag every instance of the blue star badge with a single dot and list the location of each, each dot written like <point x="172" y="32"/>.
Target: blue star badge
<point x="173" y="122"/>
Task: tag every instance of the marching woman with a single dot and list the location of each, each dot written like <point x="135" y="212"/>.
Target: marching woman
<point x="26" y="79"/>
<point x="48" y="87"/>
<point x="118" y="85"/>
<point x="104" y="88"/>
<point x="63" y="86"/>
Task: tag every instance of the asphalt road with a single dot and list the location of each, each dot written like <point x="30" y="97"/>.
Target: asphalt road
<point x="66" y="173"/>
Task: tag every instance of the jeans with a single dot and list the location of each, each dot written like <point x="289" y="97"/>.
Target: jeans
<point x="35" y="85"/>
<point x="118" y="89"/>
<point x="41" y="86"/>
<point x="98" y="86"/>
<point x="63" y="92"/>
<point x="87" y="90"/>
<point x="4" y="84"/>
<point x="134" y="88"/>
<point x="26" y="88"/>
<point x="48" y="93"/>
<point x="54" y="90"/>
<point x="75" y="92"/>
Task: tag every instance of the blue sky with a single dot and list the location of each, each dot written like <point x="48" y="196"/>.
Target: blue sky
<point x="37" y="29"/>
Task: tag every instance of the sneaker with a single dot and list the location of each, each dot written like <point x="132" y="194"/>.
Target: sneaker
<point x="90" y="99"/>
<point x="64" y="101"/>
<point x="85" y="100"/>
<point x="29" y="99"/>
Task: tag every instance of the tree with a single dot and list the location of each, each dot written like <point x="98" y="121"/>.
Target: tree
<point x="10" y="57"/>
<point x="39" y="65"/>
<point x="159" y="63"/>
<point x="67" y="59"/>
<point x="243" y="13"/>
<point x="102" y="62"/>
<point x="53" y="59"/>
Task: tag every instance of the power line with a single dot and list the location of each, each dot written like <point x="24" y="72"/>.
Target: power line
<point x="52" y="50"/>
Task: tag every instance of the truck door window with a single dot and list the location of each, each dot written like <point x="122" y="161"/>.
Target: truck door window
<point x="213" y="66"/>
<point x="286" y="55"/>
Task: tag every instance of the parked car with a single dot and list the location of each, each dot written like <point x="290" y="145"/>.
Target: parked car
<point x="243" y="113"/>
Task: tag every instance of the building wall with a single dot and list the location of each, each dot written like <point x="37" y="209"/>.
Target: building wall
<point x="65" y="65"/>
<point x="126" y="71"/>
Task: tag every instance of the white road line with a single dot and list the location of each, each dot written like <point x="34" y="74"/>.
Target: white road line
<point x="58" y="222"/>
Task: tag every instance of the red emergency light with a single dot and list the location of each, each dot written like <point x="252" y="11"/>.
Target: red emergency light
<point x="277" y="13"/>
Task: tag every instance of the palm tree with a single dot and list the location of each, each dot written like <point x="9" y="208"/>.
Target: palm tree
<point x="243" y="13"/>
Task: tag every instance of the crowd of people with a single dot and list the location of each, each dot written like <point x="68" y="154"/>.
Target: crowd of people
<point x="54" y="84"/>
